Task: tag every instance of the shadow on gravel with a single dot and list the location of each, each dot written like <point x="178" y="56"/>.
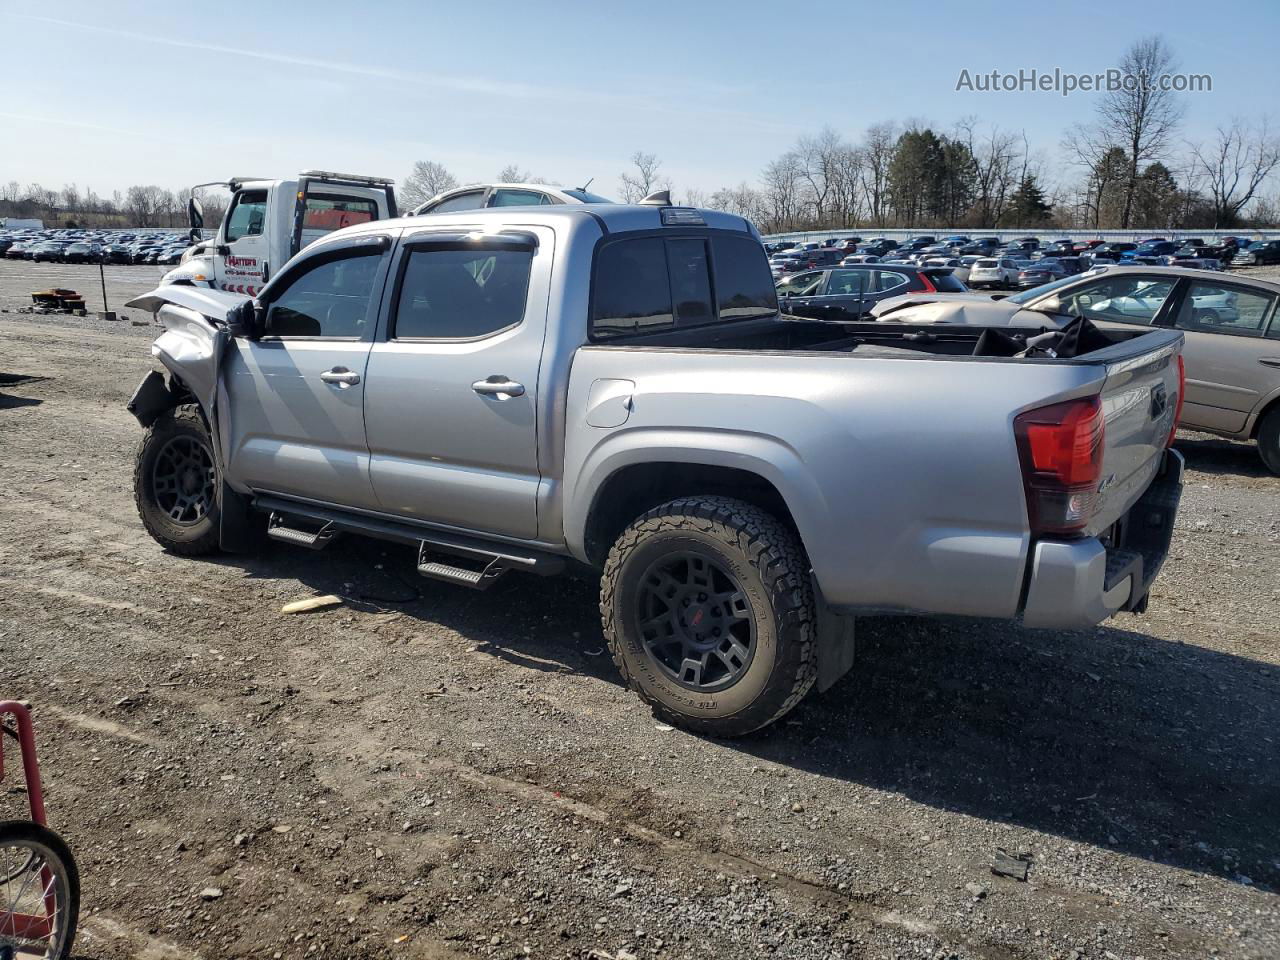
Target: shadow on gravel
<point x="1218" y="455"/>
<point x="8" y="400"/>
<point x="1161" y="750"/>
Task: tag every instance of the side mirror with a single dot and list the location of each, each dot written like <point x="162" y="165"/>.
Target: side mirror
<point x="1050" y="304"/>
<point x="246" y="320"/>
<point x="195" y="215"/>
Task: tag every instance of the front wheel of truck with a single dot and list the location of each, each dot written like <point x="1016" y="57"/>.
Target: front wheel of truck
<point x="175" y="482"/>
<point x="708" y="610"/>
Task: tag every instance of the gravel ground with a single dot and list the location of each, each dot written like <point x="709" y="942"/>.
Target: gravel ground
<point x="429" y="772"/>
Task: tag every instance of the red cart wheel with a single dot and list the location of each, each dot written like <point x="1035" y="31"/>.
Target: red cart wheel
<point x="39" y="893"/>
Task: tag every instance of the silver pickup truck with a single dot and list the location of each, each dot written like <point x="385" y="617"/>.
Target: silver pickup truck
<point x="613" y="386"/>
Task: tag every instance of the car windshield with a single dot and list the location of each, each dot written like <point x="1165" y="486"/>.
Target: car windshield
<point x="587" y="197"/>
<point x="1258" y="245"/>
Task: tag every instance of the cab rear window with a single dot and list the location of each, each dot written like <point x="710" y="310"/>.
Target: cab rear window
<point x="333" y="213"/>
<point x="652" y="283"/>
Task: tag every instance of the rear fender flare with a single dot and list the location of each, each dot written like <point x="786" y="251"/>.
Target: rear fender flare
<point x="766" y="456"/>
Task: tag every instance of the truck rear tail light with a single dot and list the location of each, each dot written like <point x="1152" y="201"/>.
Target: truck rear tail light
<point x="1060" y="447"/>
<point x="1177" y="406"/>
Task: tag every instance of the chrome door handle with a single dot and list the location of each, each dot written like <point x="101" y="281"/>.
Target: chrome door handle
<point x="341" y="376"/>
<point x="499" y="387"/>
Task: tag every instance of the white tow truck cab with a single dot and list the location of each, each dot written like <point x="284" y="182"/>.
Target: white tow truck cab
<point x="268" y="221"/>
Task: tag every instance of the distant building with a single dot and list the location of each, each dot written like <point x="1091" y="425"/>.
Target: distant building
<point x="13" y="223"/>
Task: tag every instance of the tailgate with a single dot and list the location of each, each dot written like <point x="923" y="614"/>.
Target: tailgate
<point x="1139" y="404"/>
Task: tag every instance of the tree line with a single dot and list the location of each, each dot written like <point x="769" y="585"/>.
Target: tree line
<point x="1128" y="168"/>
<point x="138" y="206"/>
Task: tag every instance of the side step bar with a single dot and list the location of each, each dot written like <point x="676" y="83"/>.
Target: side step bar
<point x="312" y="540"/>
<point x="481" y="579"/>
<point x="495" y="557"/>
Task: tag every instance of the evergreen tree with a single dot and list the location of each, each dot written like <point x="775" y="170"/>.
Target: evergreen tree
<point x="1027" y="206"/>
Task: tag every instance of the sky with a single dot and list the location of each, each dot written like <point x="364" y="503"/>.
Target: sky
<point x="109" y="94"/>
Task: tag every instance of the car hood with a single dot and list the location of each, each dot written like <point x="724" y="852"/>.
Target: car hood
<point x="963" y="308"/>
<point x="213" y="304"/>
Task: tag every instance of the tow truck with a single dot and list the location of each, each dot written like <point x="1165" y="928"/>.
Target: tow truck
<point x="268" y="221"/>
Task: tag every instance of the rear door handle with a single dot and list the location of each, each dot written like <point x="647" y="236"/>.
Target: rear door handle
<point x="1270" y="361"/>
<point x="500" y="388"/>
<point x="341" y="376"/>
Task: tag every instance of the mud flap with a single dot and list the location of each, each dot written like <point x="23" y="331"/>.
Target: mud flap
<point x="152" y="398"/>
<point x="835" y="643"/>
<point x="240" y="526"/>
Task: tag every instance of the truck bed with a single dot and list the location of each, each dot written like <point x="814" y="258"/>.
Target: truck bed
<point x="792" y="334"/>
<point x="904" y="479"/>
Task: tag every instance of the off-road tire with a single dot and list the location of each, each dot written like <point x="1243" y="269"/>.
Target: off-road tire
<point x="1269" y="440"/>
<point x="768" y="562"/>
<point x="194" y="539"/>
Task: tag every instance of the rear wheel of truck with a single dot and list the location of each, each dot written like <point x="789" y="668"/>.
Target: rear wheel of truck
<point x="709" y="613"/>
<point x="175" y="482"/>
<point x="1269" y="440"/>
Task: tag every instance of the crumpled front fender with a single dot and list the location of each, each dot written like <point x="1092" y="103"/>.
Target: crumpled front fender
<point x="194" y="340"/>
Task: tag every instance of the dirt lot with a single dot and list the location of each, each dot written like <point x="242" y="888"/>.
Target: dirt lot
<point x="428" y="772"/>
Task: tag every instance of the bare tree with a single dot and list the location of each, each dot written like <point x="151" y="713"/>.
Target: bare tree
<point x="819" y="162"/>
<point x="694" y="197"/>
<point x="995" y="162"/>
<point x="145" y="205"/>
<point x="644" y="180"/>
<point x="1140" y="116"/>
<point x="1234" y="165"/>
<point x="512" y="173"/>
<point x="427" y="179"/>
<point x="214" y="201"/>
<point x="877" y="150"/>
<point x="781" y="180"/>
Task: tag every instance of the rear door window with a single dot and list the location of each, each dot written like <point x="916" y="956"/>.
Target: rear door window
<point x="1218" y="308"/>
<point x="473" y="200"/>
<point x="1123" y="299"/>
<point x="845" y="283"/>
<point x="461" y="294"/>
<point x="518" y="198"/>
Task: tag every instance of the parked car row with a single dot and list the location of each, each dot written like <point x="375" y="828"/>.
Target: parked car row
<point x="1013" y="256"/>
<point x="93" y="246"/>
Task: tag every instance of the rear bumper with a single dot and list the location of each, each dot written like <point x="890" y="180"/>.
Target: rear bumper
<point x="1076" y="584"/>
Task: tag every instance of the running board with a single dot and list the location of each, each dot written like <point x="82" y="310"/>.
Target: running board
<point x="480" y="549"/>
<point x="311" y="539"/>
<point x="481" y="579"/>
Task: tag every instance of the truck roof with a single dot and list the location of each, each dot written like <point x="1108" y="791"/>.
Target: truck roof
<point x="608" y="217"/>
